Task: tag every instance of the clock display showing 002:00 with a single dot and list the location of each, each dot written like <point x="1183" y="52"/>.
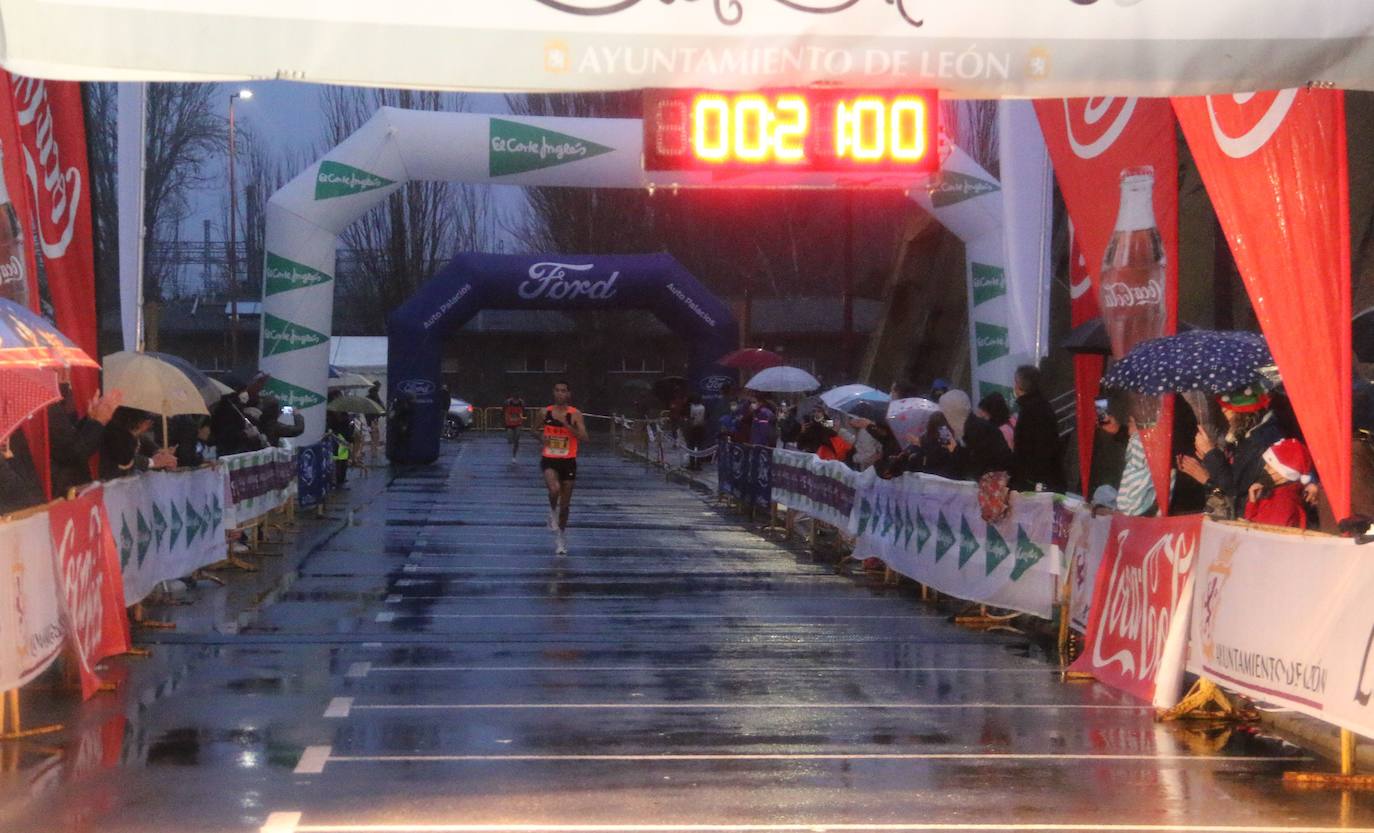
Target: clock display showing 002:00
<point x="880" y="131"/>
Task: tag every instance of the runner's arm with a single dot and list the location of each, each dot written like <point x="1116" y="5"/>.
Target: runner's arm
<point x="579" y="426"/>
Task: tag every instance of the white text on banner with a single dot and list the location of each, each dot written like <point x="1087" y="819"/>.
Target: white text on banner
<point x="31" y="631"/>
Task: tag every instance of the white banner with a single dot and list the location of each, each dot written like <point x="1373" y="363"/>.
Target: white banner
<point x="166" y="525"/>
<point x="1287" y="619"/>
<point x="31" y="631"/>
<point x="259" y="482"/>
<point x="930" y="529"/>
<point x="1087" y="543"/>
<point x="988" y="49"/>
<point x="820" y="489"/>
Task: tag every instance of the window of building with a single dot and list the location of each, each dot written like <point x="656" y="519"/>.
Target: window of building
<point x="536" y="363"/>
<point x="638" y="364"/>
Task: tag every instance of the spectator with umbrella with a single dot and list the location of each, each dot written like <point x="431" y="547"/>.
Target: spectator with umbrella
<point x="73" y="439"/>
<point x="126" y="447"/>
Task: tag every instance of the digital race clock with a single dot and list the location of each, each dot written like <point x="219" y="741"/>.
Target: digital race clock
<point x="805" y="130"/>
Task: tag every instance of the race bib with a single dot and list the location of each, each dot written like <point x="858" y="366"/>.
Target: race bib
<point x="557" y="446"/>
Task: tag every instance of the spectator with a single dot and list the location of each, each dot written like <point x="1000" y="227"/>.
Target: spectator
<point x="1036" y="437"/>
<point x="342" y="430"/>
<point x="73" y="440"/>
<point x="938" y="388"/>
<point x="789" y="427"/>
<point x="868" y="448"/>
<point x="902" y="389"/>
<point x="19" y="486"/>
<point x="1276" y="498"/>
<point x="398" y="419"/>
<point x="373" y="432"/>
<point x="987" y="449"/>
<point x="696" y="430"/>
<point x="231" y="430"/>
<point x="443" y="400"/>
<point x="1239" y="462"/>
<point x="273" y="429"/>
<point x="955" y="406"/>
<point x="728" y="424"/>
<point x="1109" y="445"/>
<point x="761" y="426"/>
<point x="744" y="421"/>
<point x="995" y="410"/>
<point x="935" y="452"/>
<point x="124" y="450"/>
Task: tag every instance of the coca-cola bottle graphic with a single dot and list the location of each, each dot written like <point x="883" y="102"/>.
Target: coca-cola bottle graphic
<point x="1132" y="287"/>
<point x="14" y="278"/>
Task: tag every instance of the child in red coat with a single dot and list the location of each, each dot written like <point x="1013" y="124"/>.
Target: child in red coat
<point x="1278" y="502"/>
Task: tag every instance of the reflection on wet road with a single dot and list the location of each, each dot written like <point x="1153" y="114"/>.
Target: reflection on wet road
<point x="437" y="668"/>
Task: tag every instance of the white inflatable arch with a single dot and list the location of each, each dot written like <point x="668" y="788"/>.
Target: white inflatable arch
<point x="305" y="217"/>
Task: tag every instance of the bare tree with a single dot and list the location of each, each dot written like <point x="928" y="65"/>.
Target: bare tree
<point x="402" y="242"/>
<point x="261" y="171"/>
<point x="101" y="149"/>
<point x="972" y="125"/>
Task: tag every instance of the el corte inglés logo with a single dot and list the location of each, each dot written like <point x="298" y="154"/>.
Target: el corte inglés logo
<point x="282" y="336"/>
<point x="993" y="341"/>
<point x="952" y="187"/>
<point x="336" y="179"/>
<point x="284" y="275"/>
<point x="293" y="395"/>
<point x="515" y="148"/>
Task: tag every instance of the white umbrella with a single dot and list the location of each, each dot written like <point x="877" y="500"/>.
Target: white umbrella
<point x="783" y="379"/>
<point x="151" y="384"/>
<point x="348" y="380"/>
<point x="842" y="397"/>
<point x="908" y="417"/>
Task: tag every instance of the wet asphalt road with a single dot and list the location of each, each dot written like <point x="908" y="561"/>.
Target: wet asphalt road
<point x="438" y="666"/>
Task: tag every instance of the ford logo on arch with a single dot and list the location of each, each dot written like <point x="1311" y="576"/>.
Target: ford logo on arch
<point x="553" y="281"/>
<point x="715" y="385"/>
<point x="418" y="388"/>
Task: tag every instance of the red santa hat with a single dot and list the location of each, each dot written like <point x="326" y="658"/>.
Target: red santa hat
<point x="1290" y="460"/>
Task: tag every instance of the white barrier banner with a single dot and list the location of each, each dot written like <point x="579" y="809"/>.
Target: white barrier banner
<point x="1287" y="619"/>
<point x="259" y="482"/>
<point x="820" y="489"/>
<point x="31" y="631"/>
<point x="930" y="529"/>
<point x="166" y="525"/>
<point x="1087" y="543"/>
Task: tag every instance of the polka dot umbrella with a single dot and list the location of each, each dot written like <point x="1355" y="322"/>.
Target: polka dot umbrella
<point x="1210" y="361"/>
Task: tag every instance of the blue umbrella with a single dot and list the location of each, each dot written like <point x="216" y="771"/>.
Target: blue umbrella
<point x="845" y="397"/>
<point x="1210" y="361"/>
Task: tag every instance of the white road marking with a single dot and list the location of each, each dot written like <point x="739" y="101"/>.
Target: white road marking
<point x="281" y="823"/>
<point x="394" y="598"/>
<point x="411" y="568"/>
<point x="313" y="760"/>
<point x="813" y="827"/>
<point x="801" y="617"/>
<point x="679" y="706"/>
<point x="409" y="582"/>
<point x="358" y="670"/>
<point x="563" y="669"/>
<point x="371" y="645"/>
<point x="339" y="707"/>
<point x="386" y="617"/>
<point x="822" y="756"/>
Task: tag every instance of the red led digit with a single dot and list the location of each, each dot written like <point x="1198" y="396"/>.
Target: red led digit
<point x="670" y="136"/>
<point x="711" y="128"/>
<point x="753" y="118"/>
<point x="908" y="129"/>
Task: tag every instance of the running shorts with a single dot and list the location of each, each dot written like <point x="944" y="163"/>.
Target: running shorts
<point x="565" y="467"/>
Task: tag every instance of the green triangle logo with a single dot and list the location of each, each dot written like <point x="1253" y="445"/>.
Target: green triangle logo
<point x="1027" y="554"/>
<point x="952" y="187"/>
<point x="865" y="515"/>
<point x="888" y="519"/>
<point x="968" y="544"/>
<point x="515" y="148"/>
<point x="922" y="531"/>
<point x="988" y="281"/>
<point x="295" y="396"/>
<point x="282" y="275"/>
<point x="216" y="512"/>
<point x="336" y="179"/>
<point x="176" y="526"/>
<point x="997" y="549"/>
<point x="126" y="543"/>
<point x="993" y="341"/>
<point x="944" y="538"/>
<point x="282" y="336"/>
<point x="908" y="526"/>
<point x="193" y="523"/>
<point x="144" y="538"/>
<point x="159" y="524"/>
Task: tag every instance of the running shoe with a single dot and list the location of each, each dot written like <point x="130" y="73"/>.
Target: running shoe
<point x="553" y="520"/>
<point x="561" y="547"/>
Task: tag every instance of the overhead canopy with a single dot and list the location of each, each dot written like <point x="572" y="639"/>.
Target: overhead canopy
<point x="983" y="49"/>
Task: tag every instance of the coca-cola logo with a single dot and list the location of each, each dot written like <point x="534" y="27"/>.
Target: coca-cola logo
<point x="1243" y="123"/>
<point x="81" y="582"/>
<point x="1140" y="604"/>
<point x="12" y="270"/>
<point x="1094" y="124"/>
<point x="56" y="192"/>
<point x="550" y="280"/>
<point x="1119" y="294"/>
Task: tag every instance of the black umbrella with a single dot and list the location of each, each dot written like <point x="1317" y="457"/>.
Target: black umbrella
<point x="1090" y="338"/>
<point x="1362" y="335"/>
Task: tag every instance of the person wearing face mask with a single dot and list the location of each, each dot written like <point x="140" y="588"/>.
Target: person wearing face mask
<point x="231" y="430"/>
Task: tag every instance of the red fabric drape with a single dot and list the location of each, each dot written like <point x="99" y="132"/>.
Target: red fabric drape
<point x="1275" y="167"/>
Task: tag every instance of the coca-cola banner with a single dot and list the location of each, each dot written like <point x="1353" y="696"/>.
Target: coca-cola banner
<point x="1275" y="167"/>
<point x="1126" y="147"/>
<point x="1287" y="620"/>
<point x="18" y="269"/>
<point x="1087" y="368"/>
<point x="31" y="632"/>
<point x="1142" y="585"/>
<point x="87" y="563"/>
<point x="52" y="132"/>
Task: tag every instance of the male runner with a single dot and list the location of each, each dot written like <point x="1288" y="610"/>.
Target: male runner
<point x="563" y="429"/>
<point x="514" y="412"/>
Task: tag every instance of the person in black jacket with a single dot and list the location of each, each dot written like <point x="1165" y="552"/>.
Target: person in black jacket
<point x="19" y="486"/>
<point x="73" y="440"/>
<point x="1253" y="428"/>
<point x="123" y="450"/>
<point x="1036" y="437"/>
<point x="273" y="429"/>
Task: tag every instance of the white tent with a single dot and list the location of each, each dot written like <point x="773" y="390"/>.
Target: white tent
<point x="983" y="49"/>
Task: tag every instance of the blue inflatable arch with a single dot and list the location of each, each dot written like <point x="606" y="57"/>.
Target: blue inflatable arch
<point x="471" y="283"/>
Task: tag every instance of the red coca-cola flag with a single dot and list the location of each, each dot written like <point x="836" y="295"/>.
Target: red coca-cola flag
<point x="1116" y="161"/>
<point x="87" y="563"/>
<point x="1087" y="368"/>
<point x="1140" y="589"/>
<point x="52" y="134"/>
<point x="1275" y="167"/>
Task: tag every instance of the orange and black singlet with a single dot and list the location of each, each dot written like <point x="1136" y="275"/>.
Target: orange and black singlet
<point x="515" y="412"/>
<point x="560" y="443"/>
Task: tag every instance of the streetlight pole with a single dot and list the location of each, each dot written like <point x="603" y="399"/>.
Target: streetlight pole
<point x="233" y="250"/>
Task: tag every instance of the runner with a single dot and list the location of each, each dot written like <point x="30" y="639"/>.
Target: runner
<point x="563" y="430"/>
<point x="515" y="420"/>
